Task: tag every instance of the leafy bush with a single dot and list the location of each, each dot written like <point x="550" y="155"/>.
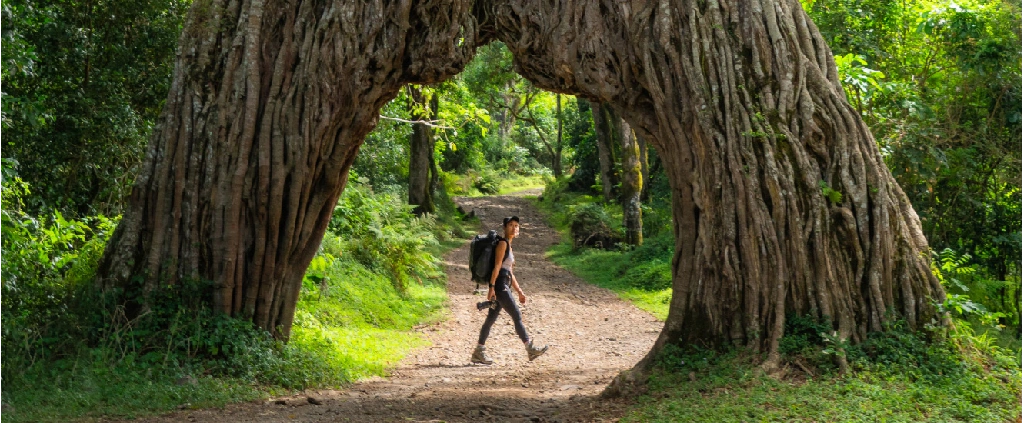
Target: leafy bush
<point x="383" y="235"/>
<point x="487" y="183"/>
<point x="972" y="293"/>
<point x="591" y="225"/>
<point x="650" y="275"/>
<point x="356" y="307"/>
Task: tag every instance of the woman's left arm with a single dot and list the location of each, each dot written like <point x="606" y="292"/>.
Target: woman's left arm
<point x="515" y="286"/>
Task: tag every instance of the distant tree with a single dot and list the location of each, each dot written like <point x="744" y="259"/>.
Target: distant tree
<point x="83" y="83"/>
<point x="421" y="152"/>
<point x="606" y="122"/>
<point x="632" y="185"/>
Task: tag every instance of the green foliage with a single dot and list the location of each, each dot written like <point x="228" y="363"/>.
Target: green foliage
<point x="939" y="84"/>
<point x="654" y="275"/>
<point x="487" y="183"/>
<point x="835" y="197"/>
<point x="83" y="83"/>
<point x="900" y="376"/>
<point x="71" y="352"/>
<point x="972" y="295"/>
<point x="580" y="124"/>
<point x="47" y="271"/>
<point x="591" y="222"/>
<point x="384" y="236"/>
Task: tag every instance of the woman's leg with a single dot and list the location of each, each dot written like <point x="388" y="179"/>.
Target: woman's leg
<point x="507" y="303"/>
<point x="492" y="315"/>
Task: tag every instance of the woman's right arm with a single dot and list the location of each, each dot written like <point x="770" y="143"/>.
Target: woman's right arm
<point x="499" y="257"/>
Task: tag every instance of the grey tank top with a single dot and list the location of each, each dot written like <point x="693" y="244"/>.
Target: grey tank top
<point x="510" y="260"/>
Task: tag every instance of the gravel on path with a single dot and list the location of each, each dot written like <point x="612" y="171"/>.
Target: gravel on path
<point x="592" y="334"/>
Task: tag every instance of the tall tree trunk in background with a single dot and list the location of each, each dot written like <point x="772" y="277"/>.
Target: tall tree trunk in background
<point x="645" y="168"/>
<point x="421" y="152"/>
<point x="603" y="134"/>
<point x="742" y="101"/>
<point x="557" y="160"/>
<point x="268" y="106"/>
<point x="435" y="182"/>
<point x="632" y="184"/>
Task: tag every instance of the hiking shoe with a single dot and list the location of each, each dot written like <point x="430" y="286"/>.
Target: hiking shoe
<point x="480" y="356"/>
<point x="535" y="352"/>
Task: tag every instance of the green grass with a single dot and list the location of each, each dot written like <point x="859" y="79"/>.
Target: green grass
<point x="520" y="183"/>
<point x="361" y="327"/>
<point x="353" y="320"/>
<point x="729" y="390"/>
<point x="91" y="389"/>
<point x="605" y="269"/>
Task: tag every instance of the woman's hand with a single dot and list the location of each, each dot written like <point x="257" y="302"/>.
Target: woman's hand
<point x="490" y="294"/>
<point x="522" y="297"/>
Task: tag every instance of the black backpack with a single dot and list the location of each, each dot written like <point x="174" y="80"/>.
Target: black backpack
<point x="481" y="256"/>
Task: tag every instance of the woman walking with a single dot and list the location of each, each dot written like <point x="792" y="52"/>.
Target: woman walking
<point x="503" y="281"/>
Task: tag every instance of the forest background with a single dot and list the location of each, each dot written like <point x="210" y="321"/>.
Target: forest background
<point x="939" y="84"/>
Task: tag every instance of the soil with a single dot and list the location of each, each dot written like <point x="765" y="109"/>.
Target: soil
<point x="592" y="334"/>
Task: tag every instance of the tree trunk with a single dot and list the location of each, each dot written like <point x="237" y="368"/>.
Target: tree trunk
<point x="742" y="101"/>
<point x="421" y="151"/>
<point x="603" y="133"/>
<point x="632" y="184"/>
<point x="268" y="106"/>
<point x="556" y="161"/>
<point x="435" y="181"/>
<point x="645" y="168"/>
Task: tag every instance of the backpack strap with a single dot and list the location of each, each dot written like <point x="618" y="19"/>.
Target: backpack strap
<point x="508" y="248"/>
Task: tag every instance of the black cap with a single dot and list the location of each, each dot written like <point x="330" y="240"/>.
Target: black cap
<point x="509" y="219"/>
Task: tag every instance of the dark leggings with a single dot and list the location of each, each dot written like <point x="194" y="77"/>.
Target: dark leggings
<point x="505" y="301"/>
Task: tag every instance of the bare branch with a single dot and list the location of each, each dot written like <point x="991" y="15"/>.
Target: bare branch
<point x="430" y="123"/>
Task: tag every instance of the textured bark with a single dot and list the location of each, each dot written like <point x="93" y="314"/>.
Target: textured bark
<point x="435" y="179"/>
<point x="421" y="156"/>
<point x="741" y="100"/>
<point x="603" y="136"/>
<point x="557" y="160"/>
<point x="269" y="103"/>
<point x="632" y="184"/>
<point x="645" y="168"/>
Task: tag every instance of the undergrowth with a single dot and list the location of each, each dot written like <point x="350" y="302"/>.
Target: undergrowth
<point x="970" y="372"/>
<point x="898" y="376"/>
<point x="69" y="352"/>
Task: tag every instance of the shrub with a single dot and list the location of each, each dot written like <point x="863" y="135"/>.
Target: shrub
<point x="487" y="182"/>
<point x="651" y="275"/>
<point x="380" y="232"/>
<point x="591" y="225"/>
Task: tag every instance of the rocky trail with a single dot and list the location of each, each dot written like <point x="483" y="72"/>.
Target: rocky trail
<point x="592" y="334"/>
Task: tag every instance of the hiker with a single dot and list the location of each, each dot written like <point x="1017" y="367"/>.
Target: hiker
<point x="502" y="282"/>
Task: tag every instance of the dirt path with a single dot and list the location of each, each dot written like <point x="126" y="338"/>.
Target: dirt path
<point x="593" y="335"/>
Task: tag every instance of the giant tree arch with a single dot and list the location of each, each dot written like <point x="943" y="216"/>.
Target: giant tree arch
<point x="271" y="100"/>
